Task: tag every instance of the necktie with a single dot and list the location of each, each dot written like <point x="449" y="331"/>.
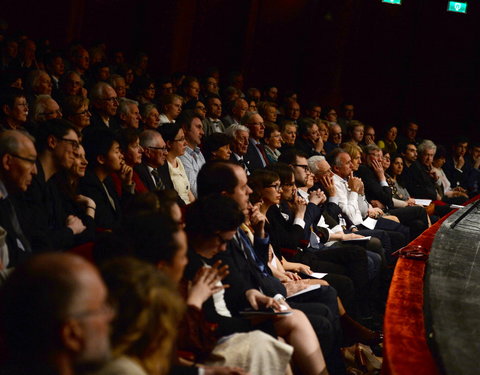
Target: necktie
<point x="263" y="153"/>
<point x="158" y="182"/>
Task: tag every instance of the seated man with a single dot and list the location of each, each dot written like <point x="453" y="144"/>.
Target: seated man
<point x="309" y="139"/>
<point x="55" y="317"/>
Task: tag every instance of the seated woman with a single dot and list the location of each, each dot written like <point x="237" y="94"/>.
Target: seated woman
<point x="150" y="116"/>
<point x="174" y="137"/>
<point x="273" y="142"/>
<point x="148" y="310"/>
<point x="387" y="143"/>
<point x="216" y="146"/>
<point x="75" y="110"/>
<point x="393" y="173"/>
<point x="132" y="152"/>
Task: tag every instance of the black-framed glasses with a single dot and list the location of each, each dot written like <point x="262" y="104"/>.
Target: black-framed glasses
<point x="221" y="239"/>
<point x="75" y="144"/>
<point x="112" y="100"/>
<point x="179" y="139"/>
<point x="277" y="187"/>
<point x="304" y="166"/>
<point x="157" y="148"/>
<point x="31" y="161"/>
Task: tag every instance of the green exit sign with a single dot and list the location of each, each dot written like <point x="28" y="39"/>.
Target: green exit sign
<point x="455" y="6"/>
<point x="396" y="2"/>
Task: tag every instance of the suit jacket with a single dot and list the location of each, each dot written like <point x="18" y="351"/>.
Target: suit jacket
<point x="253" y="157"/>
<point x="146" y="177"/>
<point x="419" y="183"/>
<point x="106" y="217"/>
<point x="373" y="188"/>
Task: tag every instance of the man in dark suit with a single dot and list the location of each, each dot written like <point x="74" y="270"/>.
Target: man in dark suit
<point x="239" y="134"/>
<point x="17" y="168"/>
<point x="256" y="156"/>
<point x="104" y="102"/>
<point x="153" y="171"/>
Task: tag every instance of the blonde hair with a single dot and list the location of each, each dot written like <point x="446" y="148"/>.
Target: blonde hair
<point x="351" y="149"/>
<point x="148" y="312"/>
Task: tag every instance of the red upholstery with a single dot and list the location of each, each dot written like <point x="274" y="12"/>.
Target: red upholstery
<point x="405" y="346"/>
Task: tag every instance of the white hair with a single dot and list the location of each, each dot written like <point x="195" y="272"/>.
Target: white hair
<point x="313" y="162"/>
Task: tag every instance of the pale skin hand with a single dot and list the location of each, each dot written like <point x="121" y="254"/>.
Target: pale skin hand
<point x="296" y="267"/>
<point x="328" y="185"/>
<point x="256" y="299"/>
<point x="378" y="169"/>
<point x="257" y="220"/>
<point x="126" y="174"/>
<point x="319" y="145"/>
<point x="375" y="212"/>
<point x="411" y="202"/>
<point x="355" y="184"/>
<point x="299" y="207"/>
<point x="317" y="197"/>
<point x="460" y="162"/>
<point x="205" y="284"/>
<point x="88" y="203"/>
<point x="75" y="224"/>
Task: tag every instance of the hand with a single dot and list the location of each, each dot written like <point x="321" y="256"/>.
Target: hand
<point x="126" y="174"/>
<point x="205" y="284"/>
<point x="318" y="145"/>
<point x="303" y="268"/>
<point x="460" y="162"/>
<point x="317" y="197"/>
<point x="328" y="185"/>
<point x="411" y="202"/>
<point x="292" y="276"/>
<point x="374" y="212"/>
<point x="377" y="204"/>
<point x="355" y="184"/>
<point x="299" y="207"/>
<point x="351" y="236"/>
<point x="75" y="224"/>
<point x="377" y="167"/>
<point x="461" y="189"/>
<point x="224" y="370"/>
<point x="256" y="299"/>
<point x="257" y="220"/>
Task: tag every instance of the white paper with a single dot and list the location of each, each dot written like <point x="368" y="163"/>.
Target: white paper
<point x="318" y="275"/>
<point x="367" y="238"/>
<point x="308" y="289"/>
<point x="456" y="206"/>
<point x="370" y="223"/>
<point x="423" y="202"/>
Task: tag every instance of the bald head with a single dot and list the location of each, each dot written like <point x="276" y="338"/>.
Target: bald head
<point x="52" y="306"/>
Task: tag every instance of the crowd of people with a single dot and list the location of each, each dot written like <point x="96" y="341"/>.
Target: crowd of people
<point x="155" y="224"/>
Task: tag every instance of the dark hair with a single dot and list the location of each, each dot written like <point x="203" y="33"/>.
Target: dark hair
<point x="305" y="124"/>
<point x="169" y="131"/>
<point x="290" y="156"/>
<point x="97" y="142"/>
<point x="441" y="152"/>
<point x="211" y="214"/>
<point x="8" y="96"/>
<point x="126" y="137"/>
<point x="403" y="147"/>
<point x="260" y="179"/>
<point x="185" y="119"/>
<point x="213" y="142"/>
<point x="215" y="177"/>
<point x="284" y="171"/>
<point x="460" y="139"/>
<point x="54" y="127"/>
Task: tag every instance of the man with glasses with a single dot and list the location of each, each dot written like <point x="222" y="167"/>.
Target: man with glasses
<point x="104" y="103"/>
<point x="55" y="226"/>
<point x="153" y="171"/>
<point x="255" y="157"/>
<point x="55" y="317"/>
<point x="18" y="167"/>
<point x="334" y="139"/>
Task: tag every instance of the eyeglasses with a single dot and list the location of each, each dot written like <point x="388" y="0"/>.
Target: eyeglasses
<point x="221" y="239"/>
<point x="58" y="112"/>
<point x="31" y="161"/>
<point x="75" y="144"/>
<point x="179" y="139"/>
<point x="201" y="108"/>
<point x="112" y="100"/>
<point x="83" y="113"/>
<point x="157" y="148"/>
<point x="277" y="187"/>
<point x="305" y="167"/>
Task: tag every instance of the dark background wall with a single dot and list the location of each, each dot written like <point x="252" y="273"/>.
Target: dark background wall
<point x="394" y="62"/>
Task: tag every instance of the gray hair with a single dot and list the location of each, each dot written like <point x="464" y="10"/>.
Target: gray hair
<point x="113" y="80"/>
<point x="313" y="163"/>
<point x="34" y="77"/>
<point x="145" y="109"/>
<point x="98" y="90"/>
<point x="233" y="130"/>
<point x="147" y="138"/>
<point x="124" y="106"/>
<point x="247" y="117"/>
<point x="11" y="140"/>
<point x="426" y="145"/>
<point x="371" y="147"/>
<point x="39" y="107"/>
